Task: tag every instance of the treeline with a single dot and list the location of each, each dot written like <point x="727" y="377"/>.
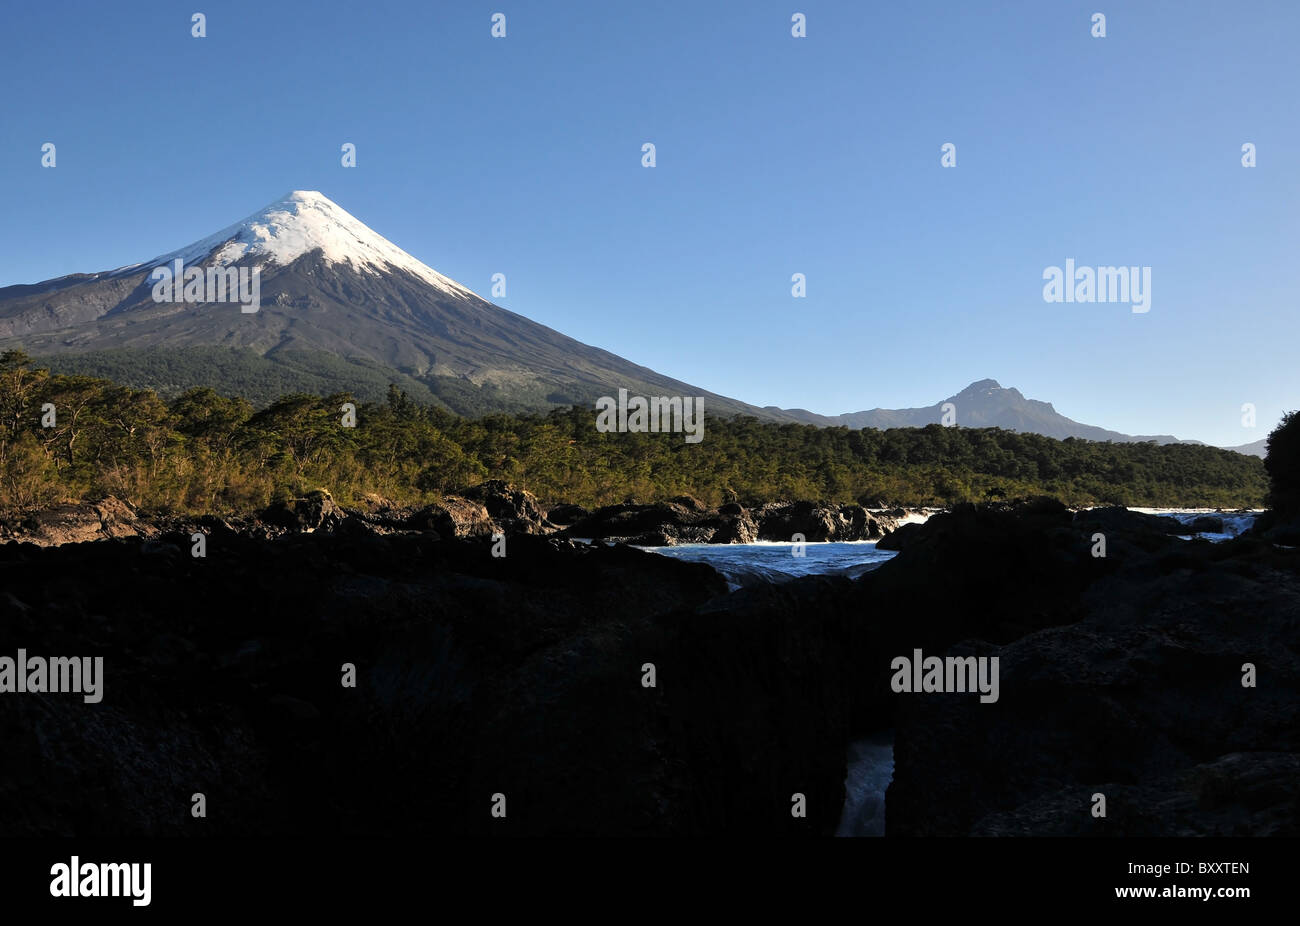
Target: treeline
<point x="262" y="379"/>
<point x="66" y="437"/>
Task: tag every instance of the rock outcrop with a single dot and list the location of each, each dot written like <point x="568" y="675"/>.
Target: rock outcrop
<point x="686" y="520"/>
<point x="312" y="512"/>
<point x="492" y="507"/>
<point x="819" y="523"/>
<point x="664" y="524"/>
<point x="514" y="510"/>
<point x="564" y="515"/>
<point x="74" y="523"/>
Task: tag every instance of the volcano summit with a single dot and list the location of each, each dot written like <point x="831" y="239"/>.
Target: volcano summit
<point x="342" y="309"/>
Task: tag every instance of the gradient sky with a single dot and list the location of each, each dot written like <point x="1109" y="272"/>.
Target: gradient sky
<point x="775" y="155"/>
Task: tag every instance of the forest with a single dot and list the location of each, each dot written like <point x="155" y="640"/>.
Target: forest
<point x="73" y="437"/>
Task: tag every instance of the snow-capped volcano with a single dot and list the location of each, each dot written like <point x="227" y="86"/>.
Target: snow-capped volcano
<point x="297" y="224"/>
<point x="341" y="309"/>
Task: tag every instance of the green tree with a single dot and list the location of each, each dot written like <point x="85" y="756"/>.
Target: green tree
<point x="1282" y="462"/>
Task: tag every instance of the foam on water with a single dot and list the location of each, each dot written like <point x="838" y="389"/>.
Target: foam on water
<point x="747" y="563"/>
<point x="870" y="770"/>
<point x="1234" y="522"/>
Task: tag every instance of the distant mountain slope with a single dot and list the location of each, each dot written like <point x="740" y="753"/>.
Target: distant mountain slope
<point x="1256" y="448"/>
<point x="983" y="404"/>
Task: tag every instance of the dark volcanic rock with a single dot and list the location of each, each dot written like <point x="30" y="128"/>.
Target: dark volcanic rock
<point x="1276" y="529"/>
<point x="566" y="514"/>
<point x="993" y="571"/>
<point x="454" y="517"/>
<point x="666" y="523"/>
<point x="514" y="510"/>
<point x="900" y="537"/>
<point x="1237" y="794"/>
<point x="1139" y="697"/>
<point x="1116" y="518"/>
<point x="630" y="523"/>
<point x="780" y="522"/>
<point x="736" y="525"/>
<point x="1206" y="524"/>
<point x="380" y="516"/>
<point x="314" y="511"/>
<point x="758" y="692"/>
<point x="520" y="674"/>
<point x="75" y="523"/>
<point x="819" y="523"/>
<point x="524" y="675"/>
<point x="1119" y="674"/>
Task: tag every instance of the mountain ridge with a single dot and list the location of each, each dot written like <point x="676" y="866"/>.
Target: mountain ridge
<point x="984" y="403"/>
<point x="342" y="308"/>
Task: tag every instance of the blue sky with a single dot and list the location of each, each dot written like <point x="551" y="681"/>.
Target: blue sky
<point x="775" y="155"/>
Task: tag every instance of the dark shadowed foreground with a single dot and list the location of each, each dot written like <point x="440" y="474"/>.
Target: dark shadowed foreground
<point x="523" y="676"/>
